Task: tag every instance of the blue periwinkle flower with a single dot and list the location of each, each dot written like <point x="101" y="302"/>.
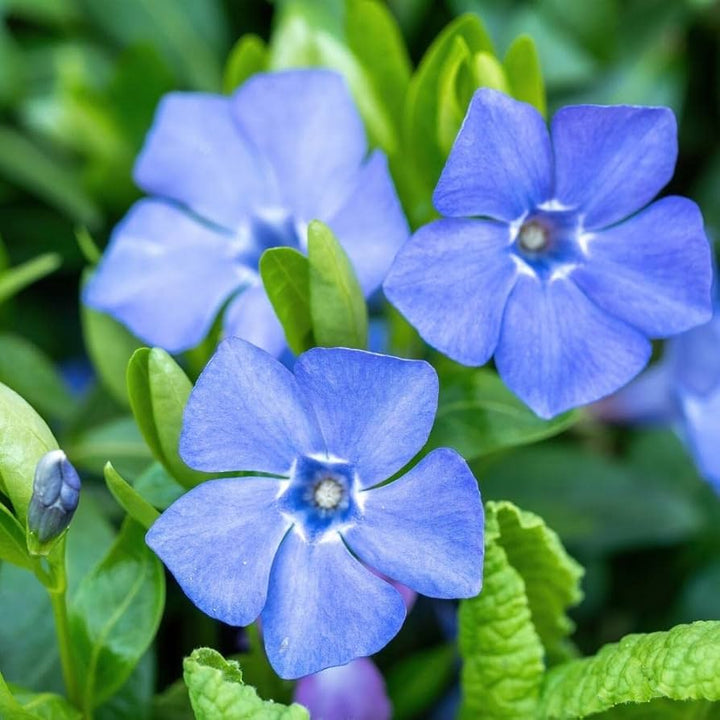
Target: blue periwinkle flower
<point x="55" y="496"/>
<point x="540" y="260"/>
<point x="299" y="549"/>
<point x="231" y="177"/>
<point x="682" y="390"/>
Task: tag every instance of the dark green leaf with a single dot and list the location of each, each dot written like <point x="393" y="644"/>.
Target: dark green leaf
<point x="129" y="499"/>
<point x="158" y="487"/>
<point x="248" y="56"/>
<point x="133" y="701"/>
<point x="115" y="614"/>
<point x="337" y="304"/>
<point x="15" y="279"/>
<point x="13" y="547"/>
<point x="285" y="274"/>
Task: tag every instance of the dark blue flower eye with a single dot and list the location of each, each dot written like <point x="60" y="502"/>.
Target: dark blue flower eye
<point x="547" y="257"/>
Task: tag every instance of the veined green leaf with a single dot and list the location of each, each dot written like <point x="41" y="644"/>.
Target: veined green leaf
<point x="15" y="279"/>
<point x="129" y="499"/>
<point x="13" y="547"/>
<point x="337" y="304"/>
<point x="43" y="706"/>
<point x="217" y="691"/>
<point x="115" y="614"/>
<point x="25" y="439"/>
<point x="501" y="650"/>
<point x="680" y="664"/>
<point x="248" y="56"/>
<point x="662" y="709"/>
<point x="285" y="274"/>
<point x="158" y="390"/>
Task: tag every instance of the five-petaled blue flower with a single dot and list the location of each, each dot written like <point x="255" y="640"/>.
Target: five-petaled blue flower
<point x="296" y="549"/>
<point x="233" y="176"/>
<point x="540" y="260"/>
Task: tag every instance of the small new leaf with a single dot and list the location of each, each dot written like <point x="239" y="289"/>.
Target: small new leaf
<point x="217" y="691"/>
<point x="337" y="304"/>
<point x="248" y="56"/>
<point x="129" y="499"/>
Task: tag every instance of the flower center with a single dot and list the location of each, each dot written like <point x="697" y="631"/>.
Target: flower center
<point x="328" y="493"/>
<point x="533" y="236"/>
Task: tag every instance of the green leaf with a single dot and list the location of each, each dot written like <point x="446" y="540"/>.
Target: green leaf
<point x="158" y="487"/>
<point x="28" y="371"/>
<point x="15" y="279"/>
<point x="129" y="499"/>
<point x="13" y="547"/>
<point x="90" y="251"/>
<point x="110" y="346"/>
<point x="551" y="576"/>
<point x="25" y="439"/>
<point x="115" y="614"/>
<point x="680" y="664"/>
<point x="217" y="691"/>
<point x="133" y="701"/>
<point x="248" y="56"/>
<point x="285" y="274"/>
<point x="158" y="390"/>
<point x="501" y="650"/>
<point x="28" y="166"/>
<point x="478" y="415"/>
<point x="118" y="441"/>
<point x="337" y="304"/>
<point x="522" y="69"/>
<point x="662" y="709"/>
<point x="43" y="706"/>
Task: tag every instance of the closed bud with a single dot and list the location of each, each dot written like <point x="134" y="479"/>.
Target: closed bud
<point x="56" y="492"/>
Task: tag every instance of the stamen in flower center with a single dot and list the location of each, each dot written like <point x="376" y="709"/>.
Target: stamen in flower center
<point x="328" y="493"/>
<point x="533" y="236"/>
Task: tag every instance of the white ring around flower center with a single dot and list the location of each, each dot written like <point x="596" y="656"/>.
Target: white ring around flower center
<point x="328" y="493"/>
<point x="533" y="237"/>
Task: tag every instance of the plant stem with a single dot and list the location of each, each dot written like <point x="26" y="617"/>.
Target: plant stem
<point x="59" y="606"/>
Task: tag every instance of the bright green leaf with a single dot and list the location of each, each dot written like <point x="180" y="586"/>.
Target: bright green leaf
<point x="501" y="650"/>
<point x="129" y="499"/>
<point x="9" y="707"/>
<point x="248" y="56"/>
<point x="662" y="709"/>
<point x="451" y="107"/>
<point x="13" y="547"/>
<point x="337" y="304"/>
<point x="25" y="439"/>
<point x="478" y="415"/>
<point x="489" y="72"/>
<point x="551" y="576"/>
<point x="91" y="252"/>
<point x="522" y="69"/>
<point x="28" y="371"/>
<point x="217" y="691"/>
<point x="158" y="390"/>
<point x="15" y="279"/>
<point x="285" y="274"/>
<point x="115" y="614"/>
<point x="680" y="664"/>
<point x="44" y="706"/>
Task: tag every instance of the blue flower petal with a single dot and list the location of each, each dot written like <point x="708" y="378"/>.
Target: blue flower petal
<point x="306" y="124"/>
<point x="501" y="163"/>
<point x="451" y="281"/>
<point x="165" y="275"/>
<point x="247" y="413"/>
<point x="250" y="316"/>
<point x="426" y="528"/>
<point x="694" y="358"/>
<point x="653" y="271"/>
<point x="701" y="431"/>
<point x="374" y="411"/>
<point x="612" y="161"/>
<point x="325" y="608"/>
<point x="219" y="541"/>
<point x="371" y="225"/>
<point x="195" y="154"/>
<point x="558" y="350"/>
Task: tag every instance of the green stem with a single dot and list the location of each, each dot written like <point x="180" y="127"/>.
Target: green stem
<point x="59" y="606"/>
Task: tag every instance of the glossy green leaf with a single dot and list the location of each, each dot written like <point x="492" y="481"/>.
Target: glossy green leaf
<point x="115" y="614"/>
<point x="158" y="390"/>
<point x="501" y="650"/>
<point x="25" y="439"/>
<point x="32" y="374"/>
<point x="129" y="499"/>
<point x="248" y="56"/>
<point x="110" y="347"/>
<point x="133" y="701"/>
<point x="337" y="304"/>
<point x="13" y="547"/>
<point x="478" y="415"/>
<point x="217" y="691"/>
<point x="285" y="274"/>
<point x="30" y="167"/>
<point x="522" y="69"/>
<point x="15" y="279"/>
<point x="551" y="576"/>
<point x="158" y="487"/>
<point x="680" y="664"/>
<point x="43" y="706"/>
<point x="9" y="705"/>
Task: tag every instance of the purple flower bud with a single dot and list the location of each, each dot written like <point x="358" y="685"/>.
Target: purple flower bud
<point x="356" y="690"/>
<point x="56" y="492"/>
